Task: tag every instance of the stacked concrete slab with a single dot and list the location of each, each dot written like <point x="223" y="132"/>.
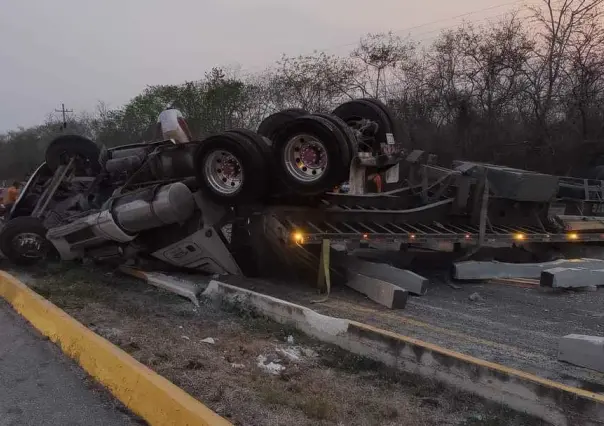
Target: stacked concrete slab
<point x="382" y="283"/>
<point x="472" y="270"/>
<point x="584" y="351"/>
<point x="572" y="277"/>
<point x="573" y="273"/>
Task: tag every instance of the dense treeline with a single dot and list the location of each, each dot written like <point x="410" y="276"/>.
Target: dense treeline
<point x="526" y="90"/>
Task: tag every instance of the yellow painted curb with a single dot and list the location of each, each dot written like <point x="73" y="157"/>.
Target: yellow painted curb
<point x="144" y="392"/>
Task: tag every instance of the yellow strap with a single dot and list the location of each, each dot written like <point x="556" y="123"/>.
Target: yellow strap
<point x="324" y="275"/>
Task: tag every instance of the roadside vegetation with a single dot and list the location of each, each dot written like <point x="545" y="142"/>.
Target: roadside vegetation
<point x="525" y="89"/>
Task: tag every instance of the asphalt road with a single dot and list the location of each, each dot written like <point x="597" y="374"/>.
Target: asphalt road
<point x="40" y="386"/>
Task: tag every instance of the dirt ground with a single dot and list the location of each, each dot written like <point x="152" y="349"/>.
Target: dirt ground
<point x="253" y="372"/>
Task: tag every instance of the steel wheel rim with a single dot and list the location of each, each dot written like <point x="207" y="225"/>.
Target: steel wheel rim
<point x="29" y="245"/>
<point x="223" y="172"/>
<point x="305" y="158"/>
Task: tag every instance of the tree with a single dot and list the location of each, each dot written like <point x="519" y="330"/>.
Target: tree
<point x="379" y="53"/>
<point x="558" y="24"/>
<point x="222" y="98"/>
<point x="314" y="82"/>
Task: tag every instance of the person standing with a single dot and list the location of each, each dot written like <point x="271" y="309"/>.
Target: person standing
<point x="171" y="124"/>
<point x="10" y="197"/>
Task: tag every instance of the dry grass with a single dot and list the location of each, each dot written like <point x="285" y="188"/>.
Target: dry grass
<point x="335" y="388"/>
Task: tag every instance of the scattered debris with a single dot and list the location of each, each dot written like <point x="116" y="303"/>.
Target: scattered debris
<point x="293" y="354"/>
<point x="475" y="297"/>
<point x="309" y="353"/>
<point x="234" y="365"/>
<point x="290" y="339"/>
<point x="269" y="367"/>
<point x="186" y="337"/>
<point x="516" y="282"/>
<point x="209" y="340"/>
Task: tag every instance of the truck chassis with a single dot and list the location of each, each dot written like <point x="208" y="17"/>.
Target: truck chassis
<point x="173" y="203"/>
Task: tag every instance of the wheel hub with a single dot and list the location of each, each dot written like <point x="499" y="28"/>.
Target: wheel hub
<point x="223" y="172"/>
<point x="365" y="130"/>
<point x="28" y="244"/>
<point x="305" y="158"/>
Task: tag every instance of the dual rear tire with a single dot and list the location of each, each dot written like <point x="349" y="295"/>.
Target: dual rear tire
<point x="232" y="168"/>
<point x="292" y="153"/>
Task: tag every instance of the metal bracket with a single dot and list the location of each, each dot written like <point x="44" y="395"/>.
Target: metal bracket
<point x="51" y="189"/>
<point x="357" y="178"/>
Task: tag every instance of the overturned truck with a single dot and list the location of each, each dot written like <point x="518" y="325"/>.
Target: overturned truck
<point x="241" y="202"/>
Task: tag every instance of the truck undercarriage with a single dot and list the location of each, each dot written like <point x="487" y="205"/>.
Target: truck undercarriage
<point x="239" y="201"/>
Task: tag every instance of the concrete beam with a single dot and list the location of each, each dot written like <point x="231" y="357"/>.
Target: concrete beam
<point x="172" y="284"/>
<point x="584" y="351"/>
<point x="473" y="270"/>
<point x="382" y="292"/>
<point x="571" y="277"/>
<point x="406" y="280"/>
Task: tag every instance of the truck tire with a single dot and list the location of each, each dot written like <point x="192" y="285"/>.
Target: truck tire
<point x="311" y="155"/>
<point x="61" y="149"/>
<point x="353" y="111"/>
<point x="351" y="139"/>
<point x="271" y="124"/>
<point x="395" y="124"/>
<point x="231" y="170"/>
<point x="261" y="142"/>
<point x="23" y="241"/>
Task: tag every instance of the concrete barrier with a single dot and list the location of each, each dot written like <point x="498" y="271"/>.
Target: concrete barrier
<point x="572" y="277"/>
<point x="144" y="392"/>
<point x="174" y="285"/>
<point x="382" y="292"/>
<point x="472" y="270"/>
<point x="585" y="351"/>
<point x="551" y="401"/>
<point x="402" y="278"/>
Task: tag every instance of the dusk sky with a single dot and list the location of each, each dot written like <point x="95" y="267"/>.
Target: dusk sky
<point x="79" y="52"/>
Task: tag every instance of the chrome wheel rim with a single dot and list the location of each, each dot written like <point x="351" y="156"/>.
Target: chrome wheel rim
<point x="305" y="158"/>
<point x="223" y="172"/>
<point x="28" y="245"/>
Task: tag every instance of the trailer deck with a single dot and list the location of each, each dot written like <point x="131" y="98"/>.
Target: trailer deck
<point x="308" y="232"/>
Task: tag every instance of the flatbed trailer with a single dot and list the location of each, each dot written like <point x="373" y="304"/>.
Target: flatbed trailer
<point x="459" y="212"/>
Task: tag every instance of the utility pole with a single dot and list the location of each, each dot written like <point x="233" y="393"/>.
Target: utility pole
<point x="64" y="111"/>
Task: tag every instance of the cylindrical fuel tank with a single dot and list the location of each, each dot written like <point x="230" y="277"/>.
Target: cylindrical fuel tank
<point x="152" y="208"/>
<point x="123" y="164"/>
<point x="140" y="152"/>
<point x="175" y="162"/>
